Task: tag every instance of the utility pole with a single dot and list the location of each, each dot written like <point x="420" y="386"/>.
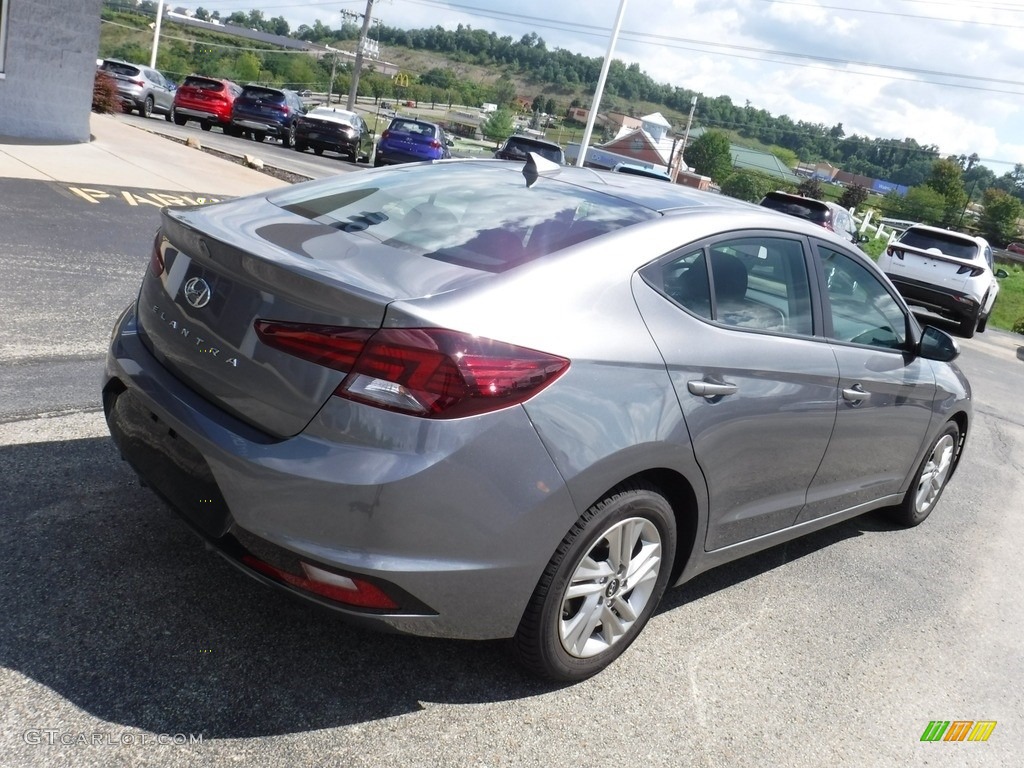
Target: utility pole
<point x="600" y="85"/>
<point x="334" y="64"/>
<point x="686" y="138"/>
<point x="357" y="67"/>
<point x="156" y="33"/>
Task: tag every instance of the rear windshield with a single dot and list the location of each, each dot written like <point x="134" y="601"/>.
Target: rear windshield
<point x="413" y="127"/>
<point x="203" y="83"/>
<point x="120" y="69"/>
<point x="484" y="218"/>
<point x="950" y="244"/>
<point x="267" y="94"/>
<point x="805" y="209"/>
<point x="517" y="148"/>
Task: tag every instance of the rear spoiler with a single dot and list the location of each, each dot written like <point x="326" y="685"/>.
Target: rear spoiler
<point x="897" y="249"/>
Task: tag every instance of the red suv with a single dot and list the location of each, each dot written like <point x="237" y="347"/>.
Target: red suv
<point x="1015" y="248"/>
<point x="207" y="100"/>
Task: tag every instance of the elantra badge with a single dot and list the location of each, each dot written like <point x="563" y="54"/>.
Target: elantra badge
<point x="197" y="292"/>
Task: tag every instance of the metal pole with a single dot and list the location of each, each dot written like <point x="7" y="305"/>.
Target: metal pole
<point x="686" y="136"/>
<point x="156" y="33"/>
<point x="600" y="86"/>
<point x="357" y="67"/>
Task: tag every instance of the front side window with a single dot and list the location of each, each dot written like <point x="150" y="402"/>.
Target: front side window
<point x="759" y="283"/>
<point x="862" y="310"/>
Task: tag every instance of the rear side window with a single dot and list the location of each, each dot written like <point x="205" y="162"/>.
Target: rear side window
<point x="752" y="282"/>
<point x="120" y="69"/>
<point x="487" y="221"/>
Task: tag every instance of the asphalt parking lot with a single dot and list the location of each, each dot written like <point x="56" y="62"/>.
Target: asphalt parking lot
<point x="124" y="642"/>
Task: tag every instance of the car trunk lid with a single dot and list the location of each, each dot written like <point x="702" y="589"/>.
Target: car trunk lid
<point x="202" y="295"/>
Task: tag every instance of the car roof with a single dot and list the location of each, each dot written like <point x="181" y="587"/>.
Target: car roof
<point x="947" y="233"/>
<point x="519" y="138"/>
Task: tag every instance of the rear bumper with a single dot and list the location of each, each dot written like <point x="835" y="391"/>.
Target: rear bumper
<point x="261" y="126"/>
<point x="454" y="520"/>
<point x="948" y="303"/>
<point x="194" y="113"/>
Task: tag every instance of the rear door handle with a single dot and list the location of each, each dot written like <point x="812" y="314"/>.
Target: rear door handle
<point x="856" y="394"/>
<point x="710" y="389"/>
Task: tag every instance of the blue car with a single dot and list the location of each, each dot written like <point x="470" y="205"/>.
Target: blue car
<point x="411" y="141"/>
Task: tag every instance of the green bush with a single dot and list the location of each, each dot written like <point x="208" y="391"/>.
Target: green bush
<point x="1018" y="327"/>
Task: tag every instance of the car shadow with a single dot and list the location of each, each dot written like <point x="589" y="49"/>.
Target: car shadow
<point x="749" y="567"/>
<point x="111" y="602"/>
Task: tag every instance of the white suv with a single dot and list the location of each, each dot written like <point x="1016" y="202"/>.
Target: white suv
<point x="945" y="272"/>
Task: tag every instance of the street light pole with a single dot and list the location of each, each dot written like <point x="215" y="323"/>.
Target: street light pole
<point x="156" y="33"/>
<point x="686" y="137"/>
<point x="600" y="86"/>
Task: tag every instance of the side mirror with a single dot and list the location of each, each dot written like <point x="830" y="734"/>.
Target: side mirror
<point x="937" y="345"/>
<point x="449" y="142"/>
<point x="1001" y="273"/>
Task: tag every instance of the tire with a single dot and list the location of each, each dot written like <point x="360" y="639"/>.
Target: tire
<point x="299" y="146"/>
<point x="146" y="110"/>
<point x="930" y="479"/>
<point x="176" y="118"/>
<point x="983" y="324"/>
<point x="258" y="136"/>
<point x="289" y="137"/>
<point x="168" y="114"/>
<point x="205" y="125"/>
<point x="570" y="638"/>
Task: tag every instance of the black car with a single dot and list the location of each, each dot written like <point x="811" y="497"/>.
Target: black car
<point x="261" y="111"/>
<point x="336" y="130"/>
<point x="831" y="216"/>
<point x="518" y="147"/>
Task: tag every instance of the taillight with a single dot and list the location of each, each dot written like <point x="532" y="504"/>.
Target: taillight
<point x="139" y="83"/>
<point x="974" y="271"/>
<point x="329" y="346"/>
<point x="427" y="372"/>
<point x="385" y="135"/>
<point x="156" y="259"/>
<point x="435" y="144"/>
<point x="890" y="251"/>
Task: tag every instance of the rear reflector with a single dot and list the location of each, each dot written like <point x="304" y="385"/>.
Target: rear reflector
<point x="349" y="590"/>
<point x="427" y="372"/>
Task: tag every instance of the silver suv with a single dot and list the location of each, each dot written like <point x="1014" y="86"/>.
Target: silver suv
<point x="945" y="272"/>
<point x="141" y="88"/>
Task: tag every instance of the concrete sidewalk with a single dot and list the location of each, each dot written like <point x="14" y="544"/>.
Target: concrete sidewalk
<point x="122" y="155"/>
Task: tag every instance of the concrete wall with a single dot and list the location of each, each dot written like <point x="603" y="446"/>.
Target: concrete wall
<point x="47" y="74"/>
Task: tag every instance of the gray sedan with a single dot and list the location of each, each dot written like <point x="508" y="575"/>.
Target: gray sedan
<point x="479" y="399"/>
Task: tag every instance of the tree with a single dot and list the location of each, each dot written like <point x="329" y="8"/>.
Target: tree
<point x="999" y="220"/>
<point x="811" y="188"/>
<point x="709" y="155"/>
<point x="748" y="185"/>
<point x="498" y="126"/>
<point x="923" y="204"/>
<point x="550" y="107"/>
<point x="202" y="14"/>
<point x="947" y="180"/>
<point x="853" y="196"/>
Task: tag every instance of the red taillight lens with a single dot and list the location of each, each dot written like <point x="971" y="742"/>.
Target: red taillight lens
<point x="437" y="373"/>
<point x="156" y="259"/>
<point x="428" y="372"/>
<point x="324" y="345"/>
<point x="385" y="135"/>
<point x="435" y="144"/>
<point x="342" y="589"/>
<point x="139" y="83"/>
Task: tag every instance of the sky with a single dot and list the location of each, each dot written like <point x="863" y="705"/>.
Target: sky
<point x="943" y="72"/>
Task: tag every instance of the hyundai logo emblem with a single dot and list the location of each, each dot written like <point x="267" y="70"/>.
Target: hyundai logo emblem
<point x="197" y="292"/>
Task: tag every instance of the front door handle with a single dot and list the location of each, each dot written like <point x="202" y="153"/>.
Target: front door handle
<point x="856" y="394"/>
<point x="710" y="389"/>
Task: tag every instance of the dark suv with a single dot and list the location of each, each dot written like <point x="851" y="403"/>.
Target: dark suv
<point x="140" y="87"/>
<point x="831" y="216"/>
<point x="207" y="100"/>
<point x="517" y="147"/>
<point x="260" y="111"/>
